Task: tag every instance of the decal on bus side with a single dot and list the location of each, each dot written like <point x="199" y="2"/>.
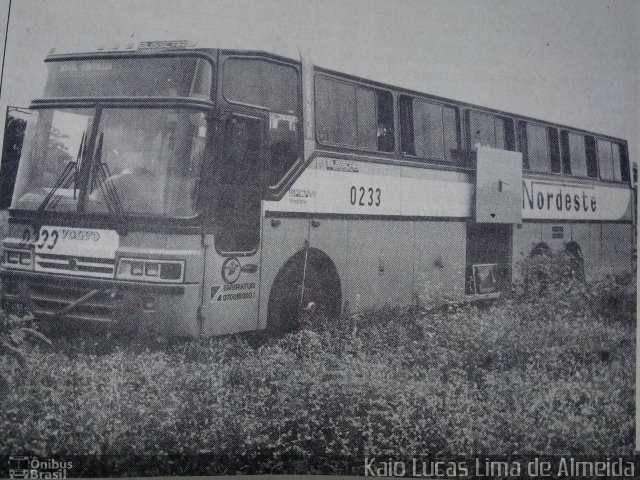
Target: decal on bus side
<point x="233" y="291"/>
<point x="557" y="201"/>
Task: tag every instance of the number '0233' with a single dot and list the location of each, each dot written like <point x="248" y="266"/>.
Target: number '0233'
<point x="365" y="196"/>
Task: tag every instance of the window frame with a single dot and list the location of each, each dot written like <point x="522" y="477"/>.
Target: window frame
<point x="565" y="153"/>
<point x="401" y="127"/>
<point x="495" y="116"/>
<point x="524" y="149"/>
<point x="270" y="191"/>
<point x="268" y="60"/>
<point x="356" y="84"/>
<point x="614" y="143"/>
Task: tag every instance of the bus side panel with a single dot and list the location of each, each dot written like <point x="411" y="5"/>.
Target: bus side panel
<point x="617" y="247"/>
<point x="380" y="266"/>
<point x="525" y="237"/>
<point x="580" y="233"/>
<point x="440" y="260"/>
<point x="330" y="236"/>
<point x="593" y="263"/>
<point x="281" y="239"/>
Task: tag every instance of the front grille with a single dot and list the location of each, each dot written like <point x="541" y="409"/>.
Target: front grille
<point x="72" y="265"/>
<point x="48" y="299"/>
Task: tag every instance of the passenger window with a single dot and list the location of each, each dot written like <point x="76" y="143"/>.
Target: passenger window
<point x="624" y="161"/>
<point x="505" y="135"/>
<point x="609" y="160"/>
<point x="428" y="130"/>
<point x="482" y="129"/>
<point x="335" y="111"/>
<point x="592" y="157"/>
<point x="579" y="154"/>
<point x="617" y="162"/>
<point x="385" y="131"/>
<point x="353" y="115"/>
<point x="488" y="130"/>
<point x="605" y="160"/>
<point x="554" y="149"/>
<point x="537" y="151"/>
<point x="540" y="147"/>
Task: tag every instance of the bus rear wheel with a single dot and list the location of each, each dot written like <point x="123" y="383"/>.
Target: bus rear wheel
<point x="300" y="294"/>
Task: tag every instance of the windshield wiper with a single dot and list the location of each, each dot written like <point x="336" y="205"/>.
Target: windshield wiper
<point x="65" y="178"/>
<point x="108" y="189"/>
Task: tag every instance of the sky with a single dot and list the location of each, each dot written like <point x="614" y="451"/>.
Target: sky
<point x="575" y="62"/>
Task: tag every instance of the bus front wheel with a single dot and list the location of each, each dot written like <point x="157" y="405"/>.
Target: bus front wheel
<point x="298" y="289"/>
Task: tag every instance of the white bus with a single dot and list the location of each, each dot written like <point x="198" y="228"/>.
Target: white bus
<point x="205" y="192"/>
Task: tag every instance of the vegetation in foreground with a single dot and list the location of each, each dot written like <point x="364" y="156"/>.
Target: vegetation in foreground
<point x="545" y="371"/>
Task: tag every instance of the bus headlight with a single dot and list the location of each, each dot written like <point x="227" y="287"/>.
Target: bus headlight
<point x="18" y="258"/>
<point x="151" y="270"/>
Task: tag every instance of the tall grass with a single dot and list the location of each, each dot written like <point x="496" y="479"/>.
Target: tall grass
<point x="535" y="372"/>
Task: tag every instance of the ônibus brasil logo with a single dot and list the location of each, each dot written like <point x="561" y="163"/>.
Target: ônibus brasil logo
<point x="24" y="467"/>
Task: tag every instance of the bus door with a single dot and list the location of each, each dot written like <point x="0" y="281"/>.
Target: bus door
<point x="232" y="258"/>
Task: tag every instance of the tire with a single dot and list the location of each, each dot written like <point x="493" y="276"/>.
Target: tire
<point x="295" y="291"/>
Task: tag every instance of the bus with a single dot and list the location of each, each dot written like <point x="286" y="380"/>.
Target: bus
<point x="200" y="192"/>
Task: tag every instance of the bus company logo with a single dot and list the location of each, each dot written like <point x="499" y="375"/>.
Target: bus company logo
<point x="231" y="270"/>
<point x="23" y="467"/>
<point x="558" y="198"/>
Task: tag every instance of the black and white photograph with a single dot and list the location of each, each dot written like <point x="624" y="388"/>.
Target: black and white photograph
<point x="362" y="237"/>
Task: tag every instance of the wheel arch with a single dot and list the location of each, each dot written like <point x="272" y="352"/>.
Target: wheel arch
<point x="317" y="259"/>
<point x="540" y="248"/>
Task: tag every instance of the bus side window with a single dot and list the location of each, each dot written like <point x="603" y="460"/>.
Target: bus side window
<point x="505" y="134"/>
<point x="482" y="129"/>
<point x="385" y="132"/>
<point x="592" y="160"/>
<point x="581" y="152"/>
<point x="354" y="115"/>
<point x="407" y="138"/>
<point x="491" y="131"/>
<point x="554" y="147"/>
<point x="564" y="150"/>
<point x="606" y="162"/>
<point x="621" y="149"/>
<point x="539" y="146"/>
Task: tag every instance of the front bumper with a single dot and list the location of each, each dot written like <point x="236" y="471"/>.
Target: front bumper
<point x="165" y="309"/>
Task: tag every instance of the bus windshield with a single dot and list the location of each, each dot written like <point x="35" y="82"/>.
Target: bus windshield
<point x="149" y="158"/>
